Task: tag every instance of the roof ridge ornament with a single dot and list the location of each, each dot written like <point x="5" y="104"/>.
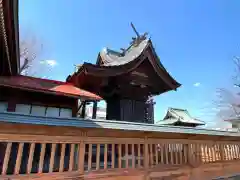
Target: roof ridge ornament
<point x="77" y="67"/>
<point x="139" y="38"/>
<point x="135" y="40"/>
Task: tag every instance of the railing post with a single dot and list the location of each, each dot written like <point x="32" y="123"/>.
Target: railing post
<point x="81" y="153"/>
<point x="186" y="153"/>
<point x="191" y="154"/>
<point x="146" y="154"/>
<point x="81" y="157"/>
<point x="222" y="152"/>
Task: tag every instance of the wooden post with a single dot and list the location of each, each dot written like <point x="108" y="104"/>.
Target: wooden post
<point x="83" y="112"/>
<point x="98" y="157"/>
<point x="71" y="159"/>
<point x="30" y="158"/>
<point x="113" y="156"/>
<point x="62" y="156"/>
<point x="52" y="157"/>
<point x="75" y="109"/>
<point x="89" y="157"/>
<point x="162" y="152"/>
<point x="186" y="153"/>
<point x="146" y="154"/>
<point x="166" y="148"/>
<point x="81" y="157"/>
<point x="94" y="110"/>
<point x="156" y="154"/>
<point x="139" y="155"/>
<point x="105" y="156"/>
<point x="41" y="160"/>
<point x="190" y="154"/>
<point x="6" y="158"/>
<point x="222" y="154"/>
<point x="133" y="156"/>
<point x="19" y="158"/>
<point x="11" y="105"/>
<point x="126" y="155"/>
<point x="119" y="155"/>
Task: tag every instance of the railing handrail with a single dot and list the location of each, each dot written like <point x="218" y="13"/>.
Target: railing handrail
<point x="27" y="151"/>
<point x="109" y="124"/>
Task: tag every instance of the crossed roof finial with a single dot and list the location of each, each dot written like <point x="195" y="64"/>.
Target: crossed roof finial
<point x="135" y="40"/>
<point x="139" y="38"/>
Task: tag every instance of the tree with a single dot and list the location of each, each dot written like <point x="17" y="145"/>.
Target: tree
<point x="30" y="49"/>
<point x="228" y="99"/>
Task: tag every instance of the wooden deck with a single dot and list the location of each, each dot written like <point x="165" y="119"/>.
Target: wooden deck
<point x="50" y="152"/>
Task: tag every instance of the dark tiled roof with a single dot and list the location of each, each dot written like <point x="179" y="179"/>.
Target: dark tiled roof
<point x="112" y="58"/>
<point x="47" y="86"/>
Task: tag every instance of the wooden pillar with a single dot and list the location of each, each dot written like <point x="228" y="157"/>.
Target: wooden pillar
<point x="94" y="110"/>
<point x="75" y="108"/>
<point x="83" y="111"/>
<point x="12" y="101"/>
<point x="113" y="108"/>
<point x="11" y="105"/>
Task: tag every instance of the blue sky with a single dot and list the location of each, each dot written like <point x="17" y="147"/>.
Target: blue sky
<point x="196" y="40"/>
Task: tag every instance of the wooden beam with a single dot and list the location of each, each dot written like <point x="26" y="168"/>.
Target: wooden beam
<point x="94" y="110"/>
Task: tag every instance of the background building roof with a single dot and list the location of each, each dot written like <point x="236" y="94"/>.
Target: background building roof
<point x="179" y="115"/>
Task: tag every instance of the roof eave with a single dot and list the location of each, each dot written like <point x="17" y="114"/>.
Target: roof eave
<point x="16" y="32"/>
<point x="197" y="123"/>
<point x="10" y="30"/>
<point x="3" y="10"/>
<point x="52" y="92"/>
<point x="37" y="90"/>
<point x="169" y="80"/>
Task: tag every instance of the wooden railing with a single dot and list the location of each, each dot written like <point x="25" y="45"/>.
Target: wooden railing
<point x="37" y="155"/>
<point x="28" y="154"/>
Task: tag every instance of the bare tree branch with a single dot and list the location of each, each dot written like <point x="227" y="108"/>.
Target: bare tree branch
<point x="228" y="100"/>
<point x="30" y="49"/>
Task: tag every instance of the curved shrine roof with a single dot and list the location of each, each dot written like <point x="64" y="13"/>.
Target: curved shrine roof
<point x="112" y="63"/>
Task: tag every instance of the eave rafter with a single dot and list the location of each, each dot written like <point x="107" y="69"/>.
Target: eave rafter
<point x="9" y="34"/>
<point x="4" y="34"/>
